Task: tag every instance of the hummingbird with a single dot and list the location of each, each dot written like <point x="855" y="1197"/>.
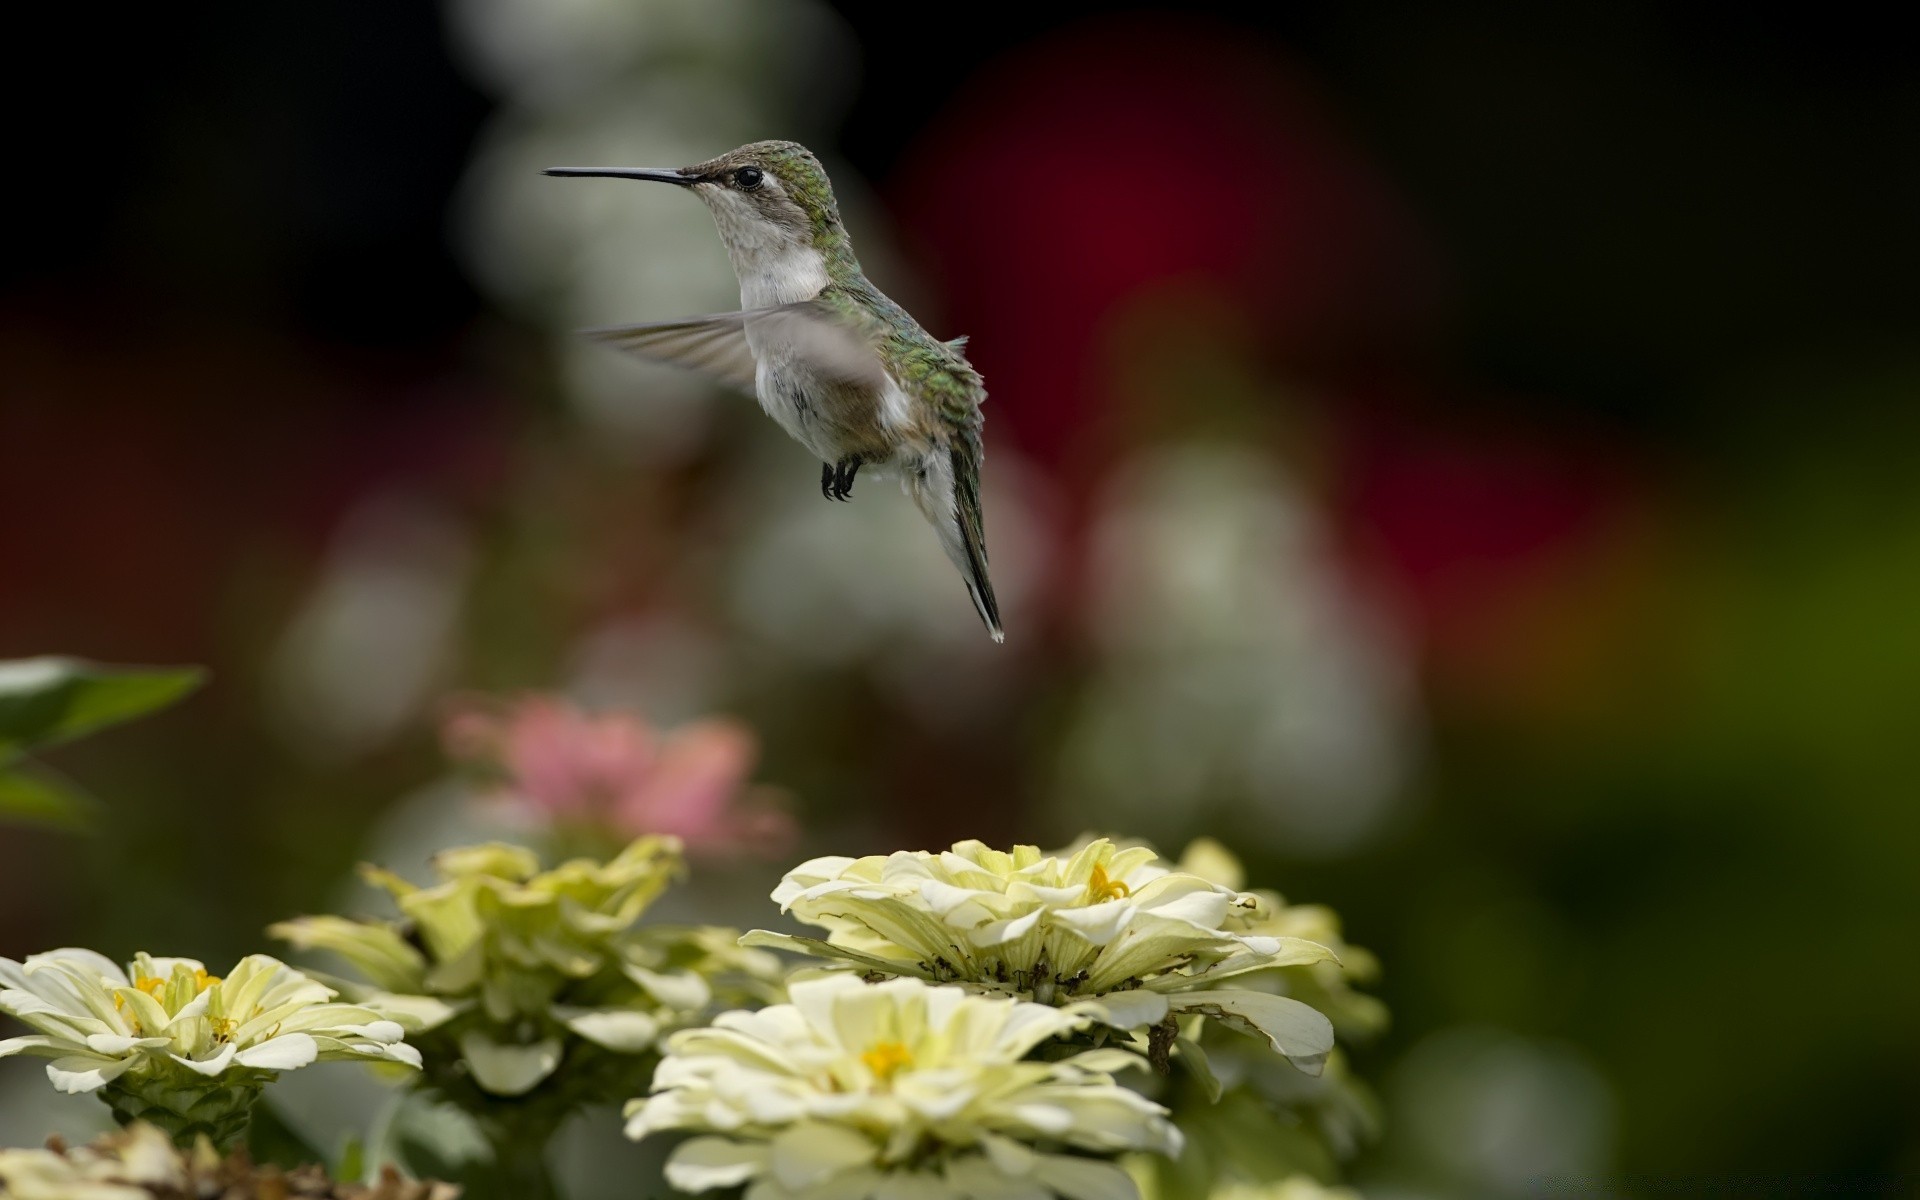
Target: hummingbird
<point x="843" y="369"/>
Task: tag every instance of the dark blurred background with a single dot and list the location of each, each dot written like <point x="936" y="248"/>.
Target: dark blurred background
<point x="1461" y="455"/>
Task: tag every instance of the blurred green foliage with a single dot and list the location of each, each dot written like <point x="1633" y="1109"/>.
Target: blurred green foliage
<point x="46" y="701"/>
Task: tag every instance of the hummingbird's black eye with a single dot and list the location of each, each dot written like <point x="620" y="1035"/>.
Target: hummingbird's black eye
<point x="747" y="178"/>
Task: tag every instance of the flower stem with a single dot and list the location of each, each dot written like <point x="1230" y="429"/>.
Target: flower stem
<point x="522" y="1171"/>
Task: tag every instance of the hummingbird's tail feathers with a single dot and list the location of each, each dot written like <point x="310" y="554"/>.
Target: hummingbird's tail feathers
<point x="973" y="536"/>
<point x="983" y="603"/>
<point x="947" y="489"/>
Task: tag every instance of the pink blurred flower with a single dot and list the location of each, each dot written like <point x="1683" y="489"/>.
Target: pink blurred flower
<point x="615" y="771"/>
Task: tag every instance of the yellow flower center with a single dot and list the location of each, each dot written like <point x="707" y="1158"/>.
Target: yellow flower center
<point x="156" y="986"/>
<point x="1100" y="888"/>
<point x="885" y="1059"/>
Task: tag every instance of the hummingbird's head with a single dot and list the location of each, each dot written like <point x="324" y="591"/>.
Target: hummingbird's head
<point x="769" y="199"/>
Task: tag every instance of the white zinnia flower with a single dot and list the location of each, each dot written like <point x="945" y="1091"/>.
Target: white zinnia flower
<point x="1105" y="926"/>
<point x="898" y="1090"/>
<point x="140" y="1163"/>
<point x="167" y="1041"/>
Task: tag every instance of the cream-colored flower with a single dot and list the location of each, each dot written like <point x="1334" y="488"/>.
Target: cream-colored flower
<point x="140" y="1162"/>
<point x="511" y="961"/>
<point x="897" y="1089"/>
<point x="1105" y="926"/>
<point x="166" y="1040"/>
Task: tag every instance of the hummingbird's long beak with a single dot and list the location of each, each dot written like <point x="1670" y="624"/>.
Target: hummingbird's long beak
<point x="667" y="176"/>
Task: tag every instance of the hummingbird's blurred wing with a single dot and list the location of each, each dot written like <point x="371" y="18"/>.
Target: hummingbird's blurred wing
<point x="717" y="345"/>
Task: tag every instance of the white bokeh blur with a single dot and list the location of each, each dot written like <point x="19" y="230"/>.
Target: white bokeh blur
<point x="1485" y="1113"/>
<point x="369" y="645"/>
<point x="1240" y="667"/>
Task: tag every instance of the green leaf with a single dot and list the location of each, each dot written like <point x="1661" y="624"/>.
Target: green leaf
<point x="49" y="700"/>
<point x="36" y="796"/>
<point x="1194" y="1059"/>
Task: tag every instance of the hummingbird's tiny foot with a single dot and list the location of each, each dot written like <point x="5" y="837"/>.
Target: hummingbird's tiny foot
<point x="843" y="473"/>
<point x="827" y="481"/>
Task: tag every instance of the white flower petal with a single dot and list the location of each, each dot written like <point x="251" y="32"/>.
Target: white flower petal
<point x="1290" y="951"/>
<point x="810" y="1152"/>
<point x="505" y="1069"/>
<point x="683" y="990"/>
<point x="814" y="870"/>
<point x="1130" y="1009"/>
<point x="935" y="1095"/>
<point x="282" y="1053"/>
<point x="359" y="1050"/>
<point x="18" y="1002"/>
<point x="816" y="948"/>
<point x="1047" y="1118"/>
<point x="208" y="1066"/>
<point x="1007" y="1156"/>
<point x="95" y="965"/>
<point x="1297" y="1030"/>
<point x="982" y="1179"/>
<point x="1109" y="1060"/>
<point x="36" y="1044"/>
<point x="857" y="1184"/>
<point x="914" y="1185"/>
<point x="1098" y="923"/>
<point x="703" y="1163"/>
<point x="621" y="1029"/>
<point x="417" y="1014"/>
<point x="999" y="933"/>
<point x="400" y="1053"/>
<point x="1085" y="1178"/>
<point x="115" y="1044"/>
<point x="85" y="1073"/>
